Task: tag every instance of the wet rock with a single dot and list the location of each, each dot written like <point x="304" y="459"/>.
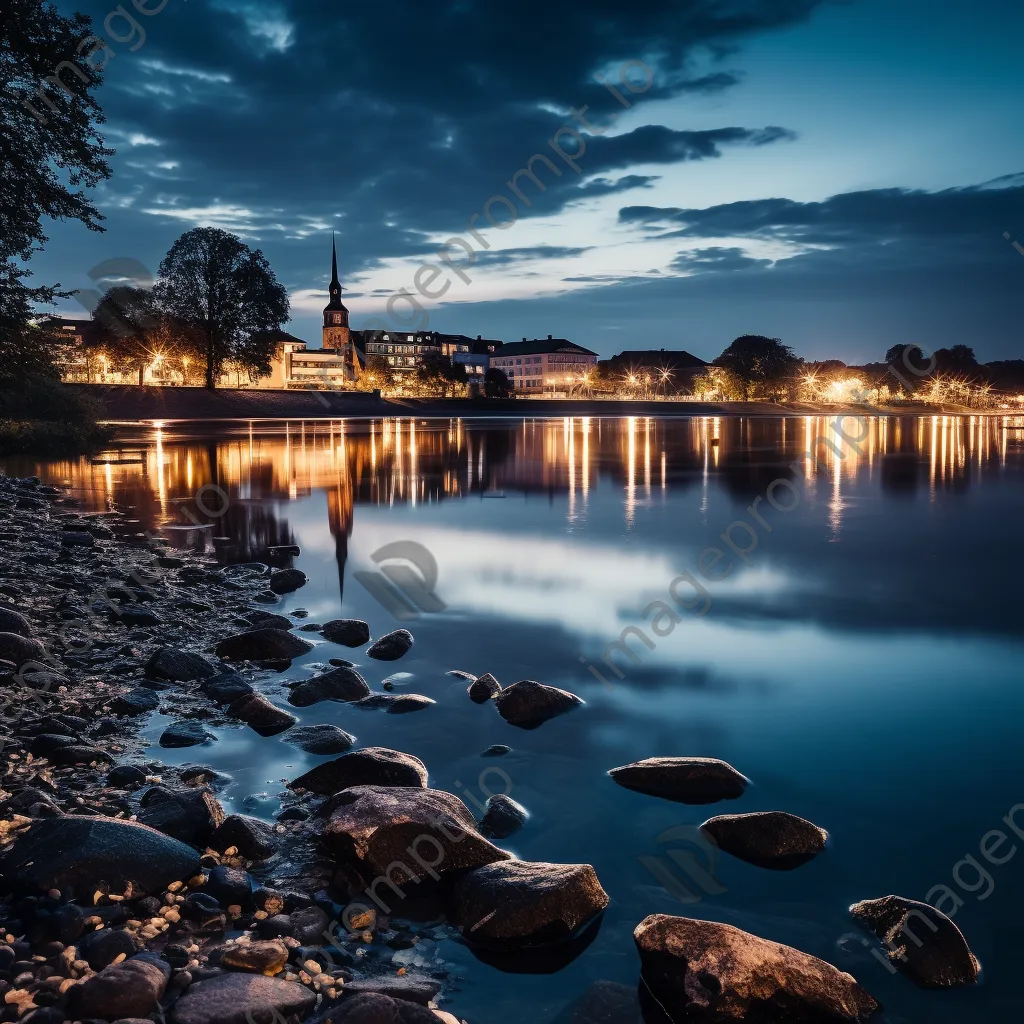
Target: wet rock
<point x="268" y="620"/>
<point x="268" y="957"/>
<point x="528" y="704"/>
<point x="922" y="942"/>
<point x="687" y="780"/>
<point x="258" y="713"/>
<point x="407" y="989"/>
<point x="100" y="949"/>
<point x="458" y="673"/>
<point x="287" y="581"/>
<point x="523" y="902"/>
<point x="496" y="750"/>
<point x="136" y="702"/>
<point x="190" y="816"/>
<point x="347" y="632"/>
<point x="310" y="925"/>
<point x="502" y="817"/>
<point x="242" y="999"/>
<point x="371" y="766"/>
<point x="768" y="839"/>
<point x="46" y="744"/>
<point x="395" y="703"/>
<point x="77" y="539"/>
<point x="130" y="989"/>
<point x="397" y="830"/>
<point x="321" y="739"/>
<point x="604" y="1002"/>
<point x="481" y="690"/>
<point x="262" y="645"/>
<point x="340" y="684"/>
<point x="78" y="753"/>
<point x="391" y="646"/>
<point x="178" y="666"/>
<point x="132" y="614"/>
<point x="126" y="776"/>
<point x="703" y="971"/>
<point x="14" y="622"/>
<point x="226" y="687"/>
<point x="254" y="839"/>
<point x="229" y="886"/>
<point x="186" y="733"/>
<point x="276" y="927"/>
<point x="19" y="649"/>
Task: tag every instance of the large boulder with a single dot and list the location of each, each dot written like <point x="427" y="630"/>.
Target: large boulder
<point x="921" y="941"/>
<point x="129" y="990"/>
<point x="529" y="704"/>
<point x="405" y="835"/>
<point x="262" y="645"/>
<point x="340" y="684"/>
<point x="242" y="999"/>
<point x="321" y="740"/>
<point x="19" y="649"/>
<point x="687" y="780"/>
<point x="347" y="632"/>
<point x="518" y="901"/>
<point x="14" y="622"/>
<point x="711" y="973"/>
<point x="226" y="687"/>
<point x="371" y="766"/>
<point x="768" y="839"/>
<point x="178" y="666"/>
<point x="80" y="852"/>
<point x="391" y="646"/>
<point x="502" y="817"/>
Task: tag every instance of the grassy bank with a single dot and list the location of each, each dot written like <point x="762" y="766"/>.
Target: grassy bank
<point x="39" y="416"/>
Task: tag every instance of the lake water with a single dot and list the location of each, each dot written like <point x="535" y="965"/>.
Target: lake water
<point x="861" y="663"/>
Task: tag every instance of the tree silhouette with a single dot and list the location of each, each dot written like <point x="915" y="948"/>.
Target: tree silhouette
<point x="761" y="364"/>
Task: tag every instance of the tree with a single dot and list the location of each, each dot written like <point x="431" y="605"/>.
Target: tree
<point x="227" y="294"/>
<point x="377" y="375"/>
<point x="718" y="382"/>
<point x="50" y="152"/>
<point x="438" y="373"/>
<point x="128" y="319"/>
<point x="497" y="384"/>
<point x="761" y="364"/>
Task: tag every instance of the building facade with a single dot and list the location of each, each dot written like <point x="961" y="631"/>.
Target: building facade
<point x="554" y="367"/>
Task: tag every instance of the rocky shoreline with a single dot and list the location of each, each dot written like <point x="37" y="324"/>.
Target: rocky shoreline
<point x="128" y="894"/>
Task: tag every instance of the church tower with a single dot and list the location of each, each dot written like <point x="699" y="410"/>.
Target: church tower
<point x="336" y="333"/>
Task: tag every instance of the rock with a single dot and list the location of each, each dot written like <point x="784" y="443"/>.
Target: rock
<point x="268" y="957"/>
<point x="78" y="753"/>
<point x="483" y="689"/>
<point x="130" y="989"/>
<point x="126" y="776"/>
<point x="923" y="943"/>
<point x="458" y="673"/>
<point x="347" y="632"/>
<point x="190" y="816"/>
<point x="529" y="704"/>
<point x="77" y="539"/>
<point x="227" y="687"/>
<point x="496" y="750"/>
<point x="229" y="886"/>
<point x="100" y="949"/>
<point x="703" y="971"/>
<point x="287" y="581"/>
<point x="394" y="703"/>
<point x="518" y="901"/>
<point x="687" y="780"/>
<point x="187" y="733"/>
<point x="242" y="999"/>
<point x="263" y="645"/>
<point x="604" y="1002"/>
<point x="321" y="739"/>
<point x="377" y="1008"/>
<point x="132" y="614"/>
<point x="340" y="684"/>
<point x="19" y="649"/>
<point x="371" y="766"/>
<point x="406" y="989"/>
<point x="267" y="620"/>
<point x="254" y="839"/>
<point x="136" y="702"/>
<point x="405" y="834"/>
<point x="310" y="926"/>
<point x="46" y="744"/>
<point x="178" y="666"/>
<point x="391" y="646"/>
<point x="502" y="817"/>
<point x="257" y="712"/>
<point x="14" y="622"/>
<point x="769" y="839"/>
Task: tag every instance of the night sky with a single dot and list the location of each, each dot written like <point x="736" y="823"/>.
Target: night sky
<point x="837" y="174"/>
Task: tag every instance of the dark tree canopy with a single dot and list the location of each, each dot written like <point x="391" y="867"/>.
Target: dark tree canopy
<point x="761" y="364"/>
<point x="227" y="295"/>
<point x="497" y="384"/>
<point x="439" y="373"/>
<point x="50" y="153"/>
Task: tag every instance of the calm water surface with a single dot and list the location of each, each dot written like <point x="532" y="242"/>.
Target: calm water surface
<point x="861" y="665"/>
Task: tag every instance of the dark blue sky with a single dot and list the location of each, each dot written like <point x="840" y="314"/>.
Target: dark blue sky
<point x="839" y="174"/>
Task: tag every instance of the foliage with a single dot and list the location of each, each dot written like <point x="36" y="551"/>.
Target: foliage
<point x="226" y="293"/>
<point x="436" y="373"/>
<point x="764" y="366"/>
<point x="717" y="382"/>
<point x="377" y="375"/>
<point x="43" y="416"/>
<point x="497" y="384"/>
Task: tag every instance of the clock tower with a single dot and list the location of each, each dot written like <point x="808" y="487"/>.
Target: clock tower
<point x="335" y="332"/>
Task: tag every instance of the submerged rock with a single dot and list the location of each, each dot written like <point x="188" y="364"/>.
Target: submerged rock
<point x="496" y="750"/>
<point x="236" y="998"/>
<point x="529" y="704"/>
<point x="520" y="901"/>
<point x="347" y="632"/>
<point x="768" y="839"/>
<point x="703" y="971"/>
<point x="502" y="817"/>
<point x="185" y="734"/>
<point x="482" y="689"/>
<point x="923" y="943"/>
<point x="391" y="646"/>
<point x="80" y="852"/>
<point x="178" y="666"/>
<point x="687" y="780"/>
<point x="371" y="766"/>
<point x="321" y="739"/>
<point x="405" y="834"/>
<point x="287" y="581"/>
<point x="262" y="645"/>
<point x="340" y="684"/>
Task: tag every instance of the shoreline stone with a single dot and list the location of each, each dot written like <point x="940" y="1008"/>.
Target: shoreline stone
<point x="688" y="780"/>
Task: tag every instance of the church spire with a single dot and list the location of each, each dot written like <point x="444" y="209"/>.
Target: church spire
<point x="334" y="265"/>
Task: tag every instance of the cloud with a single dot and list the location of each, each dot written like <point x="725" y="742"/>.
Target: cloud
<point x="506" y="257"/>
<point x="716" y="258"/>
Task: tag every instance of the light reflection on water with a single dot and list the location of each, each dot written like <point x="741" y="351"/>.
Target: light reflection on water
<point x="863" y="669"/>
